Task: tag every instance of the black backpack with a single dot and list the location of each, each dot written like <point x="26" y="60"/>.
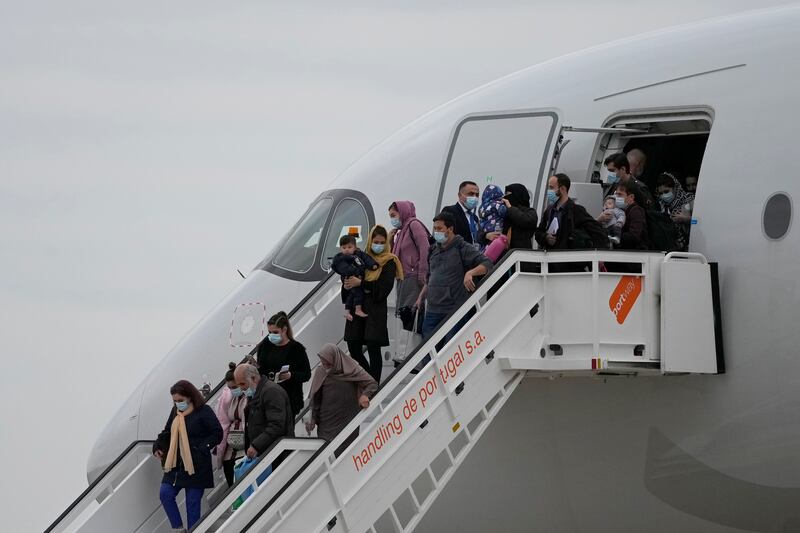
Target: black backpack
<point x="663" y="233"/>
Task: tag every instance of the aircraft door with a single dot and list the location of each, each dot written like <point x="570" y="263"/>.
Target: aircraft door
<point x="500" y="149"/>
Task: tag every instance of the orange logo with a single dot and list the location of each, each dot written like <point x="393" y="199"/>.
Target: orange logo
<point x="624" y="296"/>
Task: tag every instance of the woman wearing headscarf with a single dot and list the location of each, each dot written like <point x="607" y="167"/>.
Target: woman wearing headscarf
<point x="410" y="243"/>
<point x="677" y="204"/>
<point x="184" y="447"/>
<point x="521" y="219"/>
<point x="371" y="331"/>
<point x="339" y="388"/>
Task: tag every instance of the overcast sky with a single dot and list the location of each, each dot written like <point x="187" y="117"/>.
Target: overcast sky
<point x="148" y="150"/>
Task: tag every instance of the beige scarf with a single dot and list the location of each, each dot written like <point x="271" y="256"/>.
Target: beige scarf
<point x="179" y="437"/>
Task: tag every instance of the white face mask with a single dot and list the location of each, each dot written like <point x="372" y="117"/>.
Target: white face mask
<point x="619" y="201"/>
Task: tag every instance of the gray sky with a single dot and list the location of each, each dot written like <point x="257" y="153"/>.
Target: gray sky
<point x="148" y="150"/>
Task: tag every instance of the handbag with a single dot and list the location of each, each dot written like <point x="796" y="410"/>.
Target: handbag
<point x="236" y="439"/>
<point x="236" y="435"/>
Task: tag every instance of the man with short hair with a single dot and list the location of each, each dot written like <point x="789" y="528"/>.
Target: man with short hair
<point x="464" y="212"/>
<point x="268" y="415"/>
<point x="634" y="232"/>
<point x="566" y="225"/>
<point x="619" y="171"/>
<point x="453" y="265"/>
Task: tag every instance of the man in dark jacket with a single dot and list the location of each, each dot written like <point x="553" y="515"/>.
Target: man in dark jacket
<point x="619" y="171"/>
<point x="464" y="212"/>
<point x="574" y="228"/>
<point x="634" y="232"/>
<point x="453" y="265"/>
<point x="268" y="415"/>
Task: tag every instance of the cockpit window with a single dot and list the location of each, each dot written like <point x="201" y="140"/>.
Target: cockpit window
<point x="349" y="217"/>
<point x="304" y="253"/>
<point x="298" y="251"/>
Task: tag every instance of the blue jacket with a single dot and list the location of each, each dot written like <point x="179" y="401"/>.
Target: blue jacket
<point x="204" y="433"/>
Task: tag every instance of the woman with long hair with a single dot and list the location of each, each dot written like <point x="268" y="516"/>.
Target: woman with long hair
<point x="184" y="448"/>
<point x="280" y="349"/>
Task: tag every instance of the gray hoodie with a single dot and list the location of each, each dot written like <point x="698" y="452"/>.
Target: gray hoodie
<point x="447" y="266"/>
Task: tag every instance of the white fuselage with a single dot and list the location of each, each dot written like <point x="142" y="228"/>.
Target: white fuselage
<point x="678" y="453"/>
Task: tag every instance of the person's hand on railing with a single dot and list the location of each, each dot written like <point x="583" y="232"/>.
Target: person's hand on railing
<point x="310" y="425"/>
<point x="363" y="401"/>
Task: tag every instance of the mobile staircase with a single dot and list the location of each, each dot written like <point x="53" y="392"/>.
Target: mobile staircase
<point x="538" y="314"/>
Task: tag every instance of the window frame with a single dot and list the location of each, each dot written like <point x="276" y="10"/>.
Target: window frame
<point x="316" y="273"/>
<point x="546" y="155"/>
<point x="329" y="227"/>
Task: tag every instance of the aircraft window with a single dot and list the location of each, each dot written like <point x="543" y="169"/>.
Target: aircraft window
<point x="777" y="216"/>
<point x="349" y="217"/>
<point x="300" y="248"/>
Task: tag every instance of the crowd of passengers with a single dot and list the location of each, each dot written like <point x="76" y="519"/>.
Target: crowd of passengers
<point x="432" y="274"/>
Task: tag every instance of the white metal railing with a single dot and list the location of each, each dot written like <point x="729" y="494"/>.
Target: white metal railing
<point x="102" y="506"/>
<point x="297" y="452"/>
<point x="547" y="315"/>
<point x="347" y="491"/>
<point x="318" y="476"/>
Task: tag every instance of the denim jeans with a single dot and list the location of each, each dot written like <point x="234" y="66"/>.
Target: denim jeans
<point x="429" y="325"/>
<point x="194" y="497"/>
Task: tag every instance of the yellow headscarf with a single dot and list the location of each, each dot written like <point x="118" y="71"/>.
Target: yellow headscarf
<point x="383" y="258"/>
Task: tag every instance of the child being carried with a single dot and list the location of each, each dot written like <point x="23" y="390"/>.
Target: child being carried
<point x="352" y="262"/>
<point x="493" y="211"/>
<point x="614" y="224"/>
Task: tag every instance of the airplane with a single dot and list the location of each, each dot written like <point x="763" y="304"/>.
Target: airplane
<point x="595" y="451"/>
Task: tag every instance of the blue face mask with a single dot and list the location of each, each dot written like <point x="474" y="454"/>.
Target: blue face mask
<point x="250" y="392"/>
<point x="471" y="202"/>
<point x="613" y="178"/>
<point x="619" y="201"/>
<point x="395" y="222"/>
<point x="274" y="338"/>
<point x="439" y="236"/>
<point x="667" y="197"/>
<point x="182" y="406"/>
<point x="236" y="392"/>
<point x="551" y="196"/>
<point x="378" y="248"/>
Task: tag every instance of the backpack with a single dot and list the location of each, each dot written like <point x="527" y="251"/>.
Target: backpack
<point x="661" y="230"/>
<point x="587" y="232"/>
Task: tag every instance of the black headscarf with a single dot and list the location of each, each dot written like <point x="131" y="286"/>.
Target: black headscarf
<point x="517" y="195"/>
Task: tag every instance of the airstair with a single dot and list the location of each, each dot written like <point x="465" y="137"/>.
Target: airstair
<point x="582" y="314"/>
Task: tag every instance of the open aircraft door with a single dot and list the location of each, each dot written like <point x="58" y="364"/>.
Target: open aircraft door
<point x="501" y="148"/>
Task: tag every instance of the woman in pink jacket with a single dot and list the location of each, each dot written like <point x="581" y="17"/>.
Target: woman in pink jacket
<point x="230" y="412"/>
<point x="410" y="243"/>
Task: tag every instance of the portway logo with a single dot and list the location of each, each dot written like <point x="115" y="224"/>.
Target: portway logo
<point x="624" y="296"/>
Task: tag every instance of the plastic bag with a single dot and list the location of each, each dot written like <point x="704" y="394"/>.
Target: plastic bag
<point x="240" y="470"/>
